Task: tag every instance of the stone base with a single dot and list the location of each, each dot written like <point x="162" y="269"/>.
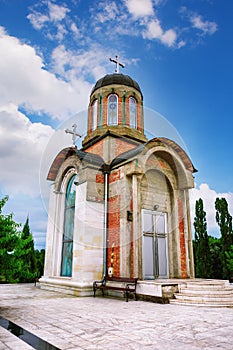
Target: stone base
<point x="66" y="286"/>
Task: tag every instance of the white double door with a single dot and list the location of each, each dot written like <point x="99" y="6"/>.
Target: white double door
<point x="155" y="254"/>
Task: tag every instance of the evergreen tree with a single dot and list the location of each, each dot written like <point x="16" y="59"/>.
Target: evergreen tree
<point x="224" y="220"/>
<point x="201" y="243"/>
<point x="9" y="239"/>
<point x="40" y="256"/>
<point x="229" y="261"/>
<point x="25" y="253"/>
<point x="215" y="253"/>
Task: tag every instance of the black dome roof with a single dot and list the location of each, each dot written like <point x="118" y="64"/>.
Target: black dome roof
<point x="116" y="78"/>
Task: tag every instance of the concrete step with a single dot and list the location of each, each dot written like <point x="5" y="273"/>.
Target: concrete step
<point x="205" y="293"/>
<point x="205" y="298"/>
<point x="206" y="285"/>
<point x="188" y="303"/>
<point x="221" y="291"/>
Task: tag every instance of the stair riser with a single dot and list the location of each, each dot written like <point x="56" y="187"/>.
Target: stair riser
<point x="204" y="299"/>
<point x="174" y="302"/>
<point x="204" y="287"/>
<point x="207" y="292"/>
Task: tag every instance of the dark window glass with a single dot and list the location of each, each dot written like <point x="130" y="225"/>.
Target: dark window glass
<point x="67" y="243"/>
<point x="112" y="109"/>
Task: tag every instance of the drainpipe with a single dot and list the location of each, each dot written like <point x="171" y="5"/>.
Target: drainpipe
<point x="106" y="170"/>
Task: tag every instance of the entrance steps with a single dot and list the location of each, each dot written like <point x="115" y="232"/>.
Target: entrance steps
<point x="211" y="293"/>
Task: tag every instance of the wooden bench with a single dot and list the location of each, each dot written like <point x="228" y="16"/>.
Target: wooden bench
<point x="123" y="284"/>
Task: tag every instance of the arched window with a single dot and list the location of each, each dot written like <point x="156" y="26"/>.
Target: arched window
<point x="94" y="108"/>
<point x="67" y="242"/>
<point x="112" y="109"/>
<point x="133" y="112"/>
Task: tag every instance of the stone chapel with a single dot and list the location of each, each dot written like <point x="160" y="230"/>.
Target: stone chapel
<point x="120" y="204"/>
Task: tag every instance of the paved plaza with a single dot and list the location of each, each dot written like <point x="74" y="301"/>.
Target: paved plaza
<point x="71" y="323"/>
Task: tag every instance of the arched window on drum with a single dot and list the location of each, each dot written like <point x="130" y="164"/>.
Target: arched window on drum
<point x="112" y="109"/>
<point x="94" y="109"/>
<point x="133" y="112"/>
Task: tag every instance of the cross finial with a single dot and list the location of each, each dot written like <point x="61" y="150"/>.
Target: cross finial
<point x="118" y="63"/>
<point x="73" y="133"/>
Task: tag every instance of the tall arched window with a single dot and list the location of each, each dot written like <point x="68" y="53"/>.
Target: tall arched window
<point x="133" y="112"/>
<point x="112" y="109"/>
<point x="94" y="114"/>
<point x="67" y="242"/>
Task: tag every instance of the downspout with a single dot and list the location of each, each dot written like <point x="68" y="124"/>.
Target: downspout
<point x="106" y="171"/>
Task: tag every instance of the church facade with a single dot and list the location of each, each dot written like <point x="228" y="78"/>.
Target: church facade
<point x="119" y="205"/>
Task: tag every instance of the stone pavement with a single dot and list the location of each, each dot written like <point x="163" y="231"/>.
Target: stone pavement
<point x="73" y="323"/>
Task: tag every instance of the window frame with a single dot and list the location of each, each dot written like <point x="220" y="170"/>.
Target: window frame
<point x="108" y="110"/>
<point x="133" y="118"/>
<point x="94" y="114"/>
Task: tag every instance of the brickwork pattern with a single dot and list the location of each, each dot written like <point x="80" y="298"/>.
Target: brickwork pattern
<point x="182" y="240"/>
<point x="114" y="233"/>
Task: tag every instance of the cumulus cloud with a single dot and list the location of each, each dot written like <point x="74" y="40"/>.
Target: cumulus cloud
<point x="74" y="64"/>
<point x="24" y="81"/>
<point x="209" y="196"/>
<point x="155" y="31"/>
<point x="21" y="146"/>
<point x="138" y="8"/>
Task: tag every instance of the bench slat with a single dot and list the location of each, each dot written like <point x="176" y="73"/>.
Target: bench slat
<point x="129" y="285"/>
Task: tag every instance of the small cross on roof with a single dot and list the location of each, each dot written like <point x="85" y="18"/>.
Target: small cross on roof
<point x="74" y="134"/>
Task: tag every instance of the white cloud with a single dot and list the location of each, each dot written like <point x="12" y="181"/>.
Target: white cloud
<point x="209" y="196"/>
<point x="56" y="12"/>
<point x="52" y="13"/>
<point x="207" y="27"/>
<point x="74" y="64"/>
<point x="139" y="8"/>
<point x="21" y="146"/>
<point x="108" y="11"/>
<point x="24" y="81"/>
<point x="155" y="31"/>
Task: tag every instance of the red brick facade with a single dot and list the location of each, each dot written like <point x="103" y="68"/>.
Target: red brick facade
<point x="114" y="234"/>
<point x="182" y="240"/>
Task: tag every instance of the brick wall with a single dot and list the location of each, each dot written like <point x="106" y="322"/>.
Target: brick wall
<point x="182" y="240"/>
<point x="114" y="234"/>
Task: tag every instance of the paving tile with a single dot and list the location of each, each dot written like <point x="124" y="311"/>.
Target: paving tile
<point x="72" y="323"/>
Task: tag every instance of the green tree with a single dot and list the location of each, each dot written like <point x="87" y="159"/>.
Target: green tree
<point x="215" y="257"/>
<point x="224" y="220"/>
<point x="229" y="261"/>
<point x="25" y="254"/>
<point x="9" y="239"/>
<point x="201" y="242"/>
<point x="40" y="256"/>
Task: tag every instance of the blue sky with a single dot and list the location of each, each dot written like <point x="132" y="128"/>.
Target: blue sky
<point x="52" y="52"/>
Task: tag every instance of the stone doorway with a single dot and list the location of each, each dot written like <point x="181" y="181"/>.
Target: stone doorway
<point x="154" y="245"/>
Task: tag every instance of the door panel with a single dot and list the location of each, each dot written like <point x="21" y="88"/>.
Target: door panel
<point x="162" y="256"/>
<point x="155" y="257"/>
<point x="148" y="257"/>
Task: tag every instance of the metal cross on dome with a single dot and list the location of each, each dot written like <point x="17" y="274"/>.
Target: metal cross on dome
<point x="118" y="63"/>
<point x="74" y="134"/>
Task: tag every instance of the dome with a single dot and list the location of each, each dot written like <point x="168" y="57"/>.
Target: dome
<point x="116" y="78"/>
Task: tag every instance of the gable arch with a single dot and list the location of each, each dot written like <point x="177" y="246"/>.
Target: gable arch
<point x="70" y="166"/>
<point x="169" y="162"/>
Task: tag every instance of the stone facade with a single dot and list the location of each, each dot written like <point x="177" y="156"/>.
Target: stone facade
<point x="131" y="210"/>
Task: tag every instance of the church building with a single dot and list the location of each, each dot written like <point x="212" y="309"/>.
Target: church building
<point x="120" y="204"/>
